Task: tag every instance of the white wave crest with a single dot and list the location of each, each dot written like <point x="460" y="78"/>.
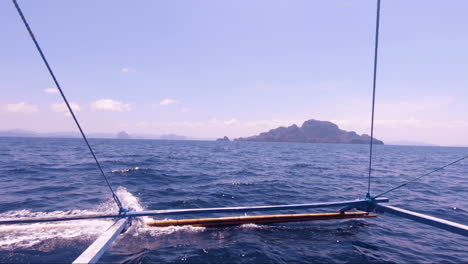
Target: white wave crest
<point x="32" y="235"/>
<point x="126" y="170"/>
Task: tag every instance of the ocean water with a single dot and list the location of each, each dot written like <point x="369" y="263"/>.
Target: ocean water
<point x="45" y="177"/>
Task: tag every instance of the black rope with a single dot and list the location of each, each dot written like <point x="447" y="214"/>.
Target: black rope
<point x="116" y="199"/>
<point x="376" y="48"/>
<point x="419" y="177"/>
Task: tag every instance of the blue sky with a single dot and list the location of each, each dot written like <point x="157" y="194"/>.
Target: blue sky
<point x="212" y="68"/>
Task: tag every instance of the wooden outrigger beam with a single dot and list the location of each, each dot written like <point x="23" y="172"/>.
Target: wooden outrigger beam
<point x="349" y="204"/>
<point x="258" y="219"/>
<point x="102" y="243"/>
<point x="425" y="219"/>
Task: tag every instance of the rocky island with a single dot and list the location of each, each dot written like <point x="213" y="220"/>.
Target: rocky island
<point x="312" y="131"/>
<point x="223" y="139"/>
<point x="123" y="135"/>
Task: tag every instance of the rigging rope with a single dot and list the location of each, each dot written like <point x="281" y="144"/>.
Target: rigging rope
<point x="372" y="120"/>
<point x="114" y="196"/>
<point x="376" y="48"/>
<point x="421" y="176"/>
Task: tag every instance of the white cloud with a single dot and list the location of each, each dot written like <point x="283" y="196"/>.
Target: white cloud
<point x="62" y="107"/>
<point x="232" y="121"/>
<point x="50" y="90"/>
<point x="127" y="69"/>
<point x="184" y="110"/>
<point x="168" y="101"/>
<point x="22" y="108"/>
<point x="111" y="105"/>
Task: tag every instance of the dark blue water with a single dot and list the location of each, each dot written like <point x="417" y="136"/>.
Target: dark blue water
<point x="44" y="177"/>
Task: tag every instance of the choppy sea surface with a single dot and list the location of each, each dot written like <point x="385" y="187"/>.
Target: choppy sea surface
<point x="53" y="177"/>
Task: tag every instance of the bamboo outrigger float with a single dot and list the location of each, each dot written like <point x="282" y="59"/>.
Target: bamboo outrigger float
<point x="258" y="219"/>
<point x="92" y="254"/>
<point x="123" y="219"/>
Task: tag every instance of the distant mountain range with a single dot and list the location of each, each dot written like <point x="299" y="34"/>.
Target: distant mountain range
<point x="120" y="135"/>
<point x="411" y="143"/>
<point x="312" y="131"/>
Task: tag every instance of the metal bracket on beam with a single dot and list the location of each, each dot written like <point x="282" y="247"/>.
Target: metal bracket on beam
<point x="366" y="205"/>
